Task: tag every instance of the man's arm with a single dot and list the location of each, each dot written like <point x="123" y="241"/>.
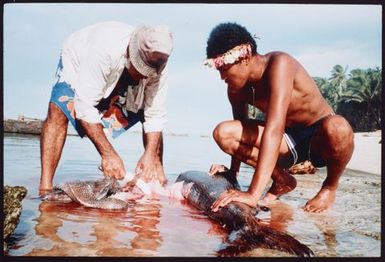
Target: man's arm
<point x="90" y="86"/>
<point x="150" y="164"/>
<point x="153" y="144"/>
<point x="239" y="113"/>
<point x="112" y="165"/>
<point x="280" y="77"/>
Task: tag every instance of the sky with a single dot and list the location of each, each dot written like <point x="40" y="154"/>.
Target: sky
<point x="318" y="36"/>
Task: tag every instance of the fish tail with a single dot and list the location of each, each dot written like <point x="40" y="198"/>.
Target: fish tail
<point x="270" y="238"/>
<point x="255" y="235"/>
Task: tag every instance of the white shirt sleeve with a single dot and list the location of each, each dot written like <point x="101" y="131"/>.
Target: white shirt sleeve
<point x="155" y="93"/>
<point x="91" y="85"/>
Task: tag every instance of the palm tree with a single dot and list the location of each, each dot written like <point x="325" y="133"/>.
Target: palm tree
<point x="338" y="79"/>
<point x="328" y="91"/>
<point x="364" y="86"/>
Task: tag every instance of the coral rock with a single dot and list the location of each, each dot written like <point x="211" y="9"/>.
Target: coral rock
<point x="12" y="208"/>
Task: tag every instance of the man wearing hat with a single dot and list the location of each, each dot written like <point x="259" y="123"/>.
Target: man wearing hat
<point x="110" y="75"/>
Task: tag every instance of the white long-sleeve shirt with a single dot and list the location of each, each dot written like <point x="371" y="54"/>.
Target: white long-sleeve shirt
<point x="93" y="59"/>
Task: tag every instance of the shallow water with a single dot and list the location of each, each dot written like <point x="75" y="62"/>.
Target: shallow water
<point x="165" y="227"/>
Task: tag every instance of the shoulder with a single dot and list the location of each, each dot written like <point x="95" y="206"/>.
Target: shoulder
<point x="280" y="63"/>
<point x="280" y="58"/>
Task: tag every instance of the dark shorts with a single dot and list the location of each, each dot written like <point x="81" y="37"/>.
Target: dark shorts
<point x="114" y="116"/>
<point x="298" y="141"/>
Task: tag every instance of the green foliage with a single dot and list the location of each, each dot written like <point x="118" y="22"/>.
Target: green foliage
<point x="356" y="96"/>
<point x="329" y="91"/>
<point x="338" y="79"/>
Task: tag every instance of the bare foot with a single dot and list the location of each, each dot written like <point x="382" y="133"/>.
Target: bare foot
<point x="322" y="201"/>
<point x="45" y="187"/>
<point x="44" y="191"/>
<point x="283" y="183"/>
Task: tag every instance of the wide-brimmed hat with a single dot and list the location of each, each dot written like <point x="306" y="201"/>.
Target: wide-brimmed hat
<point x="149" y="49"/>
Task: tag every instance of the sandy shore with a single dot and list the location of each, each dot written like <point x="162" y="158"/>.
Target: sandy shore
<point x="367" y="152"/>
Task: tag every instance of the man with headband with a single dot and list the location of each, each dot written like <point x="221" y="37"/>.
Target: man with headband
<point x="298" y="125"/>
<point x="110" y="75"/>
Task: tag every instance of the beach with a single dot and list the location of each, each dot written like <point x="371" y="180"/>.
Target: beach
<point x="367" y="152"/>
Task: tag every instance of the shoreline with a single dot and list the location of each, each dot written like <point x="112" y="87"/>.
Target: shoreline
<point x="366" y="155"/>
<point x="33" y="126"/>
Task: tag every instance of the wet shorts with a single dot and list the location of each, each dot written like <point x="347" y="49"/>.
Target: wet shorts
<point x="298" y="141"/>
<point x="115" y="118"/>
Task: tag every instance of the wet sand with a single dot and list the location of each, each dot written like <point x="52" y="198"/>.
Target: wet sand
<point x="354" y="218"/>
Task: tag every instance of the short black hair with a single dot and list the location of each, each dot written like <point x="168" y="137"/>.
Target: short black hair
<point x="225" y="36"/>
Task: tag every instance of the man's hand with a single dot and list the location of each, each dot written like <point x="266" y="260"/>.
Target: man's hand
<point x="112" y="166"/>
<point x="234" y="195"/>
<point x="150" y="168"/>
<point x="216" y="168"/>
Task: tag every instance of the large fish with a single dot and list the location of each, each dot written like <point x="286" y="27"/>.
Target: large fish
<point x="246" y="232"/>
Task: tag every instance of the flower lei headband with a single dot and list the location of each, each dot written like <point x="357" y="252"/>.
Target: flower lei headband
<point x="233" y="55"/>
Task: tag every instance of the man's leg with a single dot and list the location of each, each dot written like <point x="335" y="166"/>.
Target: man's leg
<point x="242" y="140"/>
<point x="51" y="145"/>
<point x="334" y="143"/>
<point x="283" y="183"/>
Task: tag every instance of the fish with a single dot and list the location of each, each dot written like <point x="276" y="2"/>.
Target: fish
<point x="245" y="230"/>
<point x="108" y="193"/>
<point x="92" y="193"/>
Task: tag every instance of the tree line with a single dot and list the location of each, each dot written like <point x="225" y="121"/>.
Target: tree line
<point x="355" y="95"/>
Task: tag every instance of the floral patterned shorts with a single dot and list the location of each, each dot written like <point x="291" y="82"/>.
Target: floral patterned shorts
<point x="115" y="118"/>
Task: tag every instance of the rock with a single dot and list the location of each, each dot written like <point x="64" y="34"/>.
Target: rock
<point x="23" y="126"/>
<point x="12" y="209"/>
<point x="305" y="167"/>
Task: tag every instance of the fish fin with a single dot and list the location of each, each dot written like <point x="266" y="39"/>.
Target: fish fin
<point x="263" y="237"/>
<point x="108" y="203"/>
<point x="236" y="244"/>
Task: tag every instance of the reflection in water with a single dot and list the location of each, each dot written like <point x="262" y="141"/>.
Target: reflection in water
<point x="145" y="220"/>
<point x="132" y="232"/>
<point x="215" y="229"/>
<point x="279" y="216"/>
<point x="325" y="224"/>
